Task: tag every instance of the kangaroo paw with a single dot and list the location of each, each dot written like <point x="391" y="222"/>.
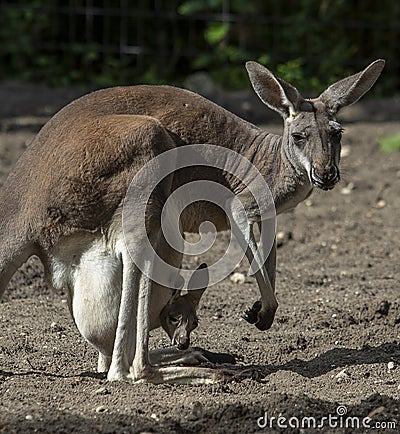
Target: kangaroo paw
<point x="262" y="318"/>
<point x="251" y="314"/>
<point x="265" y="319"/>
<point x="216" y="358"/>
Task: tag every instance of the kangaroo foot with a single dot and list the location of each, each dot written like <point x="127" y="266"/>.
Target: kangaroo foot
<point x="262" y="318"/>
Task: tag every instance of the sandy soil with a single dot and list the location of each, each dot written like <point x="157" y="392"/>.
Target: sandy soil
<point x="336" y="333"/>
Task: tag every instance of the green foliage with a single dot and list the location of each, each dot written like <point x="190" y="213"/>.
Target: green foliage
<point x="191" y="7"/>
<point x="310" y="43"/>
<point x="298" y="40"/>
<point x="225" y="62"/>
<point x="216" y="33"/>
<point x="390" y="143"/>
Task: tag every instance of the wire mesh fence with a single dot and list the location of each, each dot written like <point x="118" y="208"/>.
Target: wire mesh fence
<point x="124" y="41"/>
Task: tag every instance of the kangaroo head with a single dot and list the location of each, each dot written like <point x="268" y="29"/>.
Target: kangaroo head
<point x="312" y="135"/>
<point x="179" y="316"/>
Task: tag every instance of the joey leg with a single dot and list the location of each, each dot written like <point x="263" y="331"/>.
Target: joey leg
<point x="143" y="371"/>
<point x="191" y="356"/>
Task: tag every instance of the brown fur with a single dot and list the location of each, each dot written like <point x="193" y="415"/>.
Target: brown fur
<point x="74" y="176"/>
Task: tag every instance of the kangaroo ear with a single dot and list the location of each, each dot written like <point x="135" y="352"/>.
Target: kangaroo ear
<point x="195" y="296"/>
<point x="175" y="296"/>
<point x="277" y="94"/>
<point x="351" y="89"/>
<point x="198" y="284"/>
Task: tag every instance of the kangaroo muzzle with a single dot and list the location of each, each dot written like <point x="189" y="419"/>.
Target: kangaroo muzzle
<point x="181" y="340"/>
<point x="327" y="179"/>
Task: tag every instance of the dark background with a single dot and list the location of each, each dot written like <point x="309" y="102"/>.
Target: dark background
<point x="310" y="43"/>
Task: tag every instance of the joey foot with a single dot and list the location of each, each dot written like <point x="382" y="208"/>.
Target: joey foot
<point x="261" y="318"/>
<point x="226" y="375"/>
<point x="216" y="358"/>
<point x="182" y="375"/>
<point x="249" y="374"/>
<point x="238" y="375"/>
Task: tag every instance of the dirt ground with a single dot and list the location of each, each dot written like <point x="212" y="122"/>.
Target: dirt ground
<point x="332" y="351"/>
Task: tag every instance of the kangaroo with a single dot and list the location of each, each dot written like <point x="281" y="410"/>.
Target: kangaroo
<point x="63" y="200"/>
<point x="179" y="319"/>
<point x="179" y="316"/>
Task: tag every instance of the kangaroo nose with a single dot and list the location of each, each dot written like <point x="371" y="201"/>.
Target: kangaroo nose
<point x="183" y="343"/>
<point x="327" y="180"/>
<point x="333" y="174"/>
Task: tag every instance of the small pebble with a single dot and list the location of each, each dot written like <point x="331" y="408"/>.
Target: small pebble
<point x="342" y="374"/>
<point x="155" y="417"/>
<point x="280" y="235"/>
<point x="101" y="391"/>
<point x="390" y="366"/>
<point x="376" y="411"/>
<point x="29" y="417"/>
<point x="348" y="189"/>
<point x="380" y="204"/>
<point x="238" y="278"/>
<point x="345" y="151"/>
<point x="283" y="237"/>
<point x="101" y="409"/>
<point x="341" y="378"/>
<point x="197" y="410"/>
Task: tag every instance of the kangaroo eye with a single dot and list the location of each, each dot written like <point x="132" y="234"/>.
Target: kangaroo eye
<point x="298" y="137"/>
<point x="173" y="320"/>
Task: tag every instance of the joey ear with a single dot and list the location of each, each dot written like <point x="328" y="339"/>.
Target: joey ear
<point x="198" y="283"/>
<point x="195" y="296"/>
<point x="276" y="93"/>
<point x="351" y="89"/>
<point x="175" y="296"/>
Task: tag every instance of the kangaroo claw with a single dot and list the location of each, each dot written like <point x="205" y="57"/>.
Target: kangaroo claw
<point x="262" y="319"/>
<point x="227" y="375"/>
<point x="251" y="314"/>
